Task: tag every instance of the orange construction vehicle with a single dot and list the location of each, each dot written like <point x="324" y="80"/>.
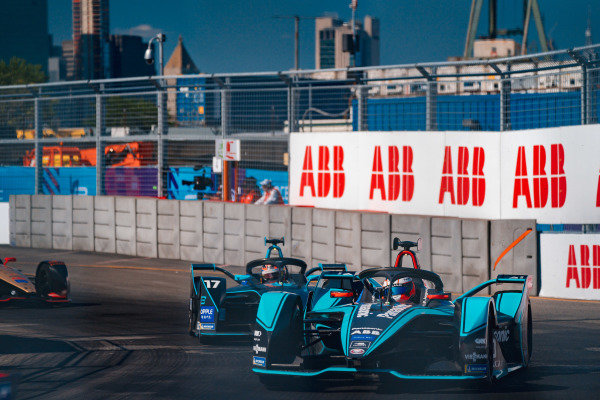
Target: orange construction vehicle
<point x="133" y="154"/>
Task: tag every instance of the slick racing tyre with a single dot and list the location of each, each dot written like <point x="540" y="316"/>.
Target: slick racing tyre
<point x="52" y="280"/>
<point x="490" y="339"/>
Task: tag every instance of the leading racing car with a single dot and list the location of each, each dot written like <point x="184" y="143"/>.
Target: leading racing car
<point x="399" y="323"/>
<point x="50" y="282"/>
<point x="218" y="310"/>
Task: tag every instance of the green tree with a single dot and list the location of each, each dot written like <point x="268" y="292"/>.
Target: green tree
<point x="17" y="71"/>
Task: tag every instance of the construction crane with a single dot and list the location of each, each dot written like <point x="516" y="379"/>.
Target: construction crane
<point x="529" y="7"/>
<point x="296" y="19"/>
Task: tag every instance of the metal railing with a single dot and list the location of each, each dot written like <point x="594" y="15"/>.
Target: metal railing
<point x="155" y="135"/>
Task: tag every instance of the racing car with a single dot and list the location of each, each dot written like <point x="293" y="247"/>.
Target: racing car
<point x="50" y="282"/>
<point x="399" y="323"/>
<point x="218" y="310"/>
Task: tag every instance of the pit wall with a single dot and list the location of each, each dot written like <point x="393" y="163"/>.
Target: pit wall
<point x="459" y="250"/>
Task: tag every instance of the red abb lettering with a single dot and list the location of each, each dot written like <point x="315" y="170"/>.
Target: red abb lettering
<point x="464" y="181"/>
<point x="393" y="174"/>
<point x="598" y="192"/>
<point x="589" y="276"/>
<point x="558" y="180"/>
<point x="324" y="174"/>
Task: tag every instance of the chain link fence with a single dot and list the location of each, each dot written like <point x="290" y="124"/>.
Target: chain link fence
<point x="155" y="136"/>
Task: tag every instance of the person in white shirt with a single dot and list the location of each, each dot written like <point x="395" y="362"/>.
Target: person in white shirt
<point x="271" y="194"/>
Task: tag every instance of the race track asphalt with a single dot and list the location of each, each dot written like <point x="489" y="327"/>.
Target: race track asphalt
<point x="124" y="336"/>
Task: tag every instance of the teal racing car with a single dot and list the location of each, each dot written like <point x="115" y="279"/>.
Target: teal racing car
<point x="395" y="323"/>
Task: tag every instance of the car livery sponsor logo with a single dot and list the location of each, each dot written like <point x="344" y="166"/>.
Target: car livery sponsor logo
<point x="363" y="311"/>
<point x="20" y="280"/>
<point x="357" y="351"/>
<point x="502" y="335"/>
<point x="475" y="356"/>
<point x="392" y="312"/>
<point x="360" y="344"/>
<point x="207" y="327"/>
<point x="259" y="349"/>
<point x="360" y="338"/>
<point x="257" y="333"/>
<point x="476" y="368"/>
<point x="207" y="314"/>
<point x="481" y="341"/>
<point x="365" y="331"/>
<point x="259" y="361"/>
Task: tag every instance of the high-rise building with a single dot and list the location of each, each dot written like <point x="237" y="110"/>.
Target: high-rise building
<point x="91" y="48"/>
<point x="127" y="57"/>
<point x="24" y="31"/>
<point x="68" y="57"/>
<point x="333" y="43"/>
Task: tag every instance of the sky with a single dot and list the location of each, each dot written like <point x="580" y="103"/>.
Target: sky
<point x="238" y="36"/>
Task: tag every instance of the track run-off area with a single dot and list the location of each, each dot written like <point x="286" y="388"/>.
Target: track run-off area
<point x="125" y="336"/>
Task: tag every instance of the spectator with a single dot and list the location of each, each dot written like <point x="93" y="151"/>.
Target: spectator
<point x="271" y="194"/>
<point x="250" y="191"/>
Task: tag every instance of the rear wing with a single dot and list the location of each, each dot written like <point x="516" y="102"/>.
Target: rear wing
<point x="211" y="267"/>
<point x="327" y="267"/>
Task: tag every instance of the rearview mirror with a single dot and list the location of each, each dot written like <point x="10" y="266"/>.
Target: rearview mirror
<point x="419" y="244"/>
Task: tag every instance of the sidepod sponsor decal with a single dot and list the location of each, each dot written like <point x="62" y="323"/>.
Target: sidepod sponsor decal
<point x="259" y="361"/>
<point x="357" y="352"/>
<point x="207" y="314"/>
<point x="476" y="368"/>
<point x="207" y="327"/>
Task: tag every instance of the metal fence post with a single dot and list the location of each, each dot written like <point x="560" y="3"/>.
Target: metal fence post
<point x="38" y="146"/>
<point x="225" y="108"/>
<point x="592" y="95"/>
<point x="291" y="107"/>
<point x="584" y="94"/>
<point x="100" y="128"/>
<point x="161" y="132"/>
<point x="431" y="105"/>
<point x="361" y="108"/>
<point x="505" y="90"/>
<point x="430" y="98"/>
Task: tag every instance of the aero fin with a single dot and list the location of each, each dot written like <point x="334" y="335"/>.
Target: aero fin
<point x="513" y="244"/>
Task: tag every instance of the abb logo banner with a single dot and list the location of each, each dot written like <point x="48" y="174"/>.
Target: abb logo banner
<point x="570" y="266"/>
<point x="551" y="175"/>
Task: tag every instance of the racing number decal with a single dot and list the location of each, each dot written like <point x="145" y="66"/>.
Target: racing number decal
<point x="212" y="284"/>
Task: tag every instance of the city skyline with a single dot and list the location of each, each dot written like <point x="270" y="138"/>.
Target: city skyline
<point x="232" y="38"/>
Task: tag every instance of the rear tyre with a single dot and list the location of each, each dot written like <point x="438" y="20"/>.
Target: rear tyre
<point x="52" y="280"/>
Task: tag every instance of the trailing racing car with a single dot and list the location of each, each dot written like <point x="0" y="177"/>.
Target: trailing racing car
<point x="218" y="310"/>
<point x="399" y="323"/>
<point x="50" y="282"/>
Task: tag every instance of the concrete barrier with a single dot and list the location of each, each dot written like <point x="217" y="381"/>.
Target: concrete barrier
<point x="323" y="236"/>
<point x="125" y="226"/>
<point x="213" y="231"/>
<point x="375" y="239"/>
<point x="12" y="220"/>
<point x="234" y="232"/>
<point x="446" y="252"/>
<point x="146" y="232"/>
<point x="62" y="222"/>
<point x="475" y="252"/>
<point x="41" y="221"/>
<point x="280" y="225"/>
<point x="301" y="237"/>
<point x="104" y="224"/>
<point x="256" y="228"/>
<point x="459" y="250"/>
<point x="412" y="227"/>
<point x="191" y="232"/>
<point x="23" y="220"/>
<point x="348" y="239"/>
<point x="83" y="223"/>
<point x="523" y="258"/>
<point x="168" y="229"/>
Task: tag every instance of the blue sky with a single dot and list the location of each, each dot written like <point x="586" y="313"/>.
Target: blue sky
<point x="234" y="35"/>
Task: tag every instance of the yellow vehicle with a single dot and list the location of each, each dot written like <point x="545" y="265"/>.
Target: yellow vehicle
<point x="29" y="134"/>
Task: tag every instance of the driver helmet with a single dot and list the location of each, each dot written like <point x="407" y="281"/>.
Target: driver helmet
<point x="270" y="273"/>
<point x="403" y="289"/>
